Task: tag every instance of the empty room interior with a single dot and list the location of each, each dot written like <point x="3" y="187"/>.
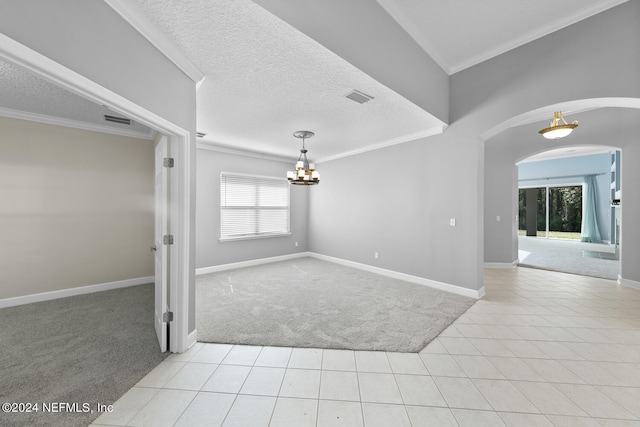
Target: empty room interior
<point x="312" y="213"/>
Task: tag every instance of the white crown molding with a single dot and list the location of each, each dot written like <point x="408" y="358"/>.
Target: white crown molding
<point x="144" y="26"/>
<point x="436" y="130"/>
<point x="41" y="118"/>
<point x="391" y="7"/>
<point x="564" y="20"/>
<point x="212" y="146"/>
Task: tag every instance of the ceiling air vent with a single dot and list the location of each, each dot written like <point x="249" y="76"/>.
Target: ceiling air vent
<point x="359" y="97"/>
<point x="115" y="119"/>
<point x="200" y="134"/>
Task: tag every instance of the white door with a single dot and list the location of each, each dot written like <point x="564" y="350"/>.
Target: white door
<point x="161" y="250"/>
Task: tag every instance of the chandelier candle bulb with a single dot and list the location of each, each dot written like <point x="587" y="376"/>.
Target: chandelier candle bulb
<point x="305" y="173"/>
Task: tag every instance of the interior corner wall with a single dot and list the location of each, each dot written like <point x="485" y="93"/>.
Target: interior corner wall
<point x="90" y="38"/>
<point x="210" y="251"/>
<point x="398" y="202"/>
<point x="77" y="208"/>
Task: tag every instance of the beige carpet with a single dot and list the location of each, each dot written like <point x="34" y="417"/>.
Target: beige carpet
<point x="307" y="302"/>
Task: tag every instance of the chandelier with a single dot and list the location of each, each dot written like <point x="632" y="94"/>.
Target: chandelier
<point x="557" y="130"/>
<point x="305" y="173"/>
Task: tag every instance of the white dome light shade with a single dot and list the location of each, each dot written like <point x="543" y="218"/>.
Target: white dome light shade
<point x="556" y="130"/>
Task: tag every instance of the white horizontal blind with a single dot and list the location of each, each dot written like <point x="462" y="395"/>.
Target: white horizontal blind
<point x="253" y="206"/>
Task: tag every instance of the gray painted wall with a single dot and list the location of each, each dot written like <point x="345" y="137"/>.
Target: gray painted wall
<point x="398" y="200"/>
<point x="500" y="237"/>
<point x="616" y="126"/>
<point x="91" y="39"/>
<point x="210" y="252"/>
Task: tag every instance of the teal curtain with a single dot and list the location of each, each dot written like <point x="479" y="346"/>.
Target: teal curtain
<point x="590" y="231"/>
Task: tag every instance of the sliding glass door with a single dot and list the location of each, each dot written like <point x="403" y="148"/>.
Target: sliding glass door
<point x="556" y="211"/>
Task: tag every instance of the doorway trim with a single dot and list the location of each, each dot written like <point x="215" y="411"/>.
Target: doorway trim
<point x="182" y="149"/>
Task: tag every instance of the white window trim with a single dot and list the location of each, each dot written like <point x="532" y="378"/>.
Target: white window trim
<point x="263" y="235"/>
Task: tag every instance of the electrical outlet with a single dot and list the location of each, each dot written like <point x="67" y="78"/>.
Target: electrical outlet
<point x="498" y="218"/>
<point x="452" y="222"/>
<point x="375" y="255"/>
<point x="296" y="244"/>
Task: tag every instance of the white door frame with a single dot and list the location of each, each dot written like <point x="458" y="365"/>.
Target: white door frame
<point x="181" y="147"/>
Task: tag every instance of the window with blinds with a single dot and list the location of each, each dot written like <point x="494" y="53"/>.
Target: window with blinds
<point x="253" y="206"/>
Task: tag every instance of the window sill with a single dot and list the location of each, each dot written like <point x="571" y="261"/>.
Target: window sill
<point x="261" y="236"/>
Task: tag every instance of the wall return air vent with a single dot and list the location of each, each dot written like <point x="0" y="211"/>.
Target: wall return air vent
<point x="358" y="96"/>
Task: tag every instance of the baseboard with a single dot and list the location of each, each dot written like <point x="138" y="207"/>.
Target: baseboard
<point x="250" y="263"/>
<point x="628" y="283"/>
<point x="81" y="290"/>
<point x="192" y="338"/>
<point x="512" y="264"/>
<point x="402" y="276"/>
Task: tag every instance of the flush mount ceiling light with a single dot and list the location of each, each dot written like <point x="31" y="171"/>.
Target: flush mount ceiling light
<point x="557" y="130"/>
<point x="305" y="173"/>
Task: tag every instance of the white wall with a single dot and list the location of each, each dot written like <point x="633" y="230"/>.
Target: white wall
<point x="77" y="208"/>
<point x="211" y="252"/>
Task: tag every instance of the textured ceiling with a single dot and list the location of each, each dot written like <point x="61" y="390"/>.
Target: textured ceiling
<point x="461" y="33"/>
<point x="265" y="80"/>
<point x="23" y="92"/>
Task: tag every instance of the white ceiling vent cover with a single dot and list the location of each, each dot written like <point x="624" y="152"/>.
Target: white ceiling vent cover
<point x="359" y="97"/>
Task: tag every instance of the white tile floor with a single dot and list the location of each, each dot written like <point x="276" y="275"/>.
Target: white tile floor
<point x="541" y="349"/>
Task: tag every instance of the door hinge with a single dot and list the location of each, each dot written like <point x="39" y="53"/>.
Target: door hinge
<point x="167" y="239"/>
<point x="167" y="316"/>
<point x="168" y="162"/>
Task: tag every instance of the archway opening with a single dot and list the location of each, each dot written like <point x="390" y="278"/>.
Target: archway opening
<point x="568" y="219"/>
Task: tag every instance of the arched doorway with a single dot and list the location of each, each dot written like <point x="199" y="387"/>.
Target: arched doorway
<point x="567" y="220"/>
<point x="605" y="121"/>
